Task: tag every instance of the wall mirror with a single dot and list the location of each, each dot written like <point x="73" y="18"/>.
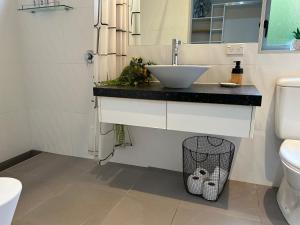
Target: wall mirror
<point x="156" y="22"/>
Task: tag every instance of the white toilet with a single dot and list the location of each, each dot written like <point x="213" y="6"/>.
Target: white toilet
<point x="10" y="190"/>
<point x="288" y="128"/>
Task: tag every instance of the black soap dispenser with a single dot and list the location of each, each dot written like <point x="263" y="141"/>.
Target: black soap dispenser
<point x="237" y="73"/>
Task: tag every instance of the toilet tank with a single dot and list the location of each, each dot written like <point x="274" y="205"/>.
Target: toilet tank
<point x="287" y="109"/>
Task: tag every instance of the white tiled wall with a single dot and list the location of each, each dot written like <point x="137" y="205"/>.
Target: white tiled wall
<point x="58" y="81"/>
<point x="14" y="126"/>
<point x="256" y="160"/>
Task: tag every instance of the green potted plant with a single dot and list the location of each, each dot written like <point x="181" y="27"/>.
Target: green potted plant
<point x="296" y="42"/>
<point x="133" y="75"/>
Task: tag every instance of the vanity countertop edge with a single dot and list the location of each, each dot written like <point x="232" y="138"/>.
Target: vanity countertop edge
<point x="247" y="95"/>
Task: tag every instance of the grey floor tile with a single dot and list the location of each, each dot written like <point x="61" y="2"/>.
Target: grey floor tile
<point x="240" y="198"/>
<point x="139" y="208"/>
<point x="267" y="221"/>
<point x="50" y="167"/>
<point x="5" y="174"/>
<point x="45" y="167"/>
<point x="162" y="183"/>
<point x="37" y="194"/>
<point x="268" y="206"/>
<point x="237" y="197"/>
<point x="74" y="206"/>
<point x="62" y="190"/>
<point x="38" y="164"/>
<point x="113" y="175"/>
<point x="187" y="215"/>
<point x="43" y="177"/>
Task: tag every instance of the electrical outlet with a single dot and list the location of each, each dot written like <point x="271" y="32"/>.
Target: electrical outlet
<point x="235" y="49"/>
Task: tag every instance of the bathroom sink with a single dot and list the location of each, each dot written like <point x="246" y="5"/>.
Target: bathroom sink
<point x="177" y="76"/>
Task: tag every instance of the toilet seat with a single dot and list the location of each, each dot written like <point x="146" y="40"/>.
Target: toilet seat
<point x="290" y="154"/>
<point x="9" y="189"/>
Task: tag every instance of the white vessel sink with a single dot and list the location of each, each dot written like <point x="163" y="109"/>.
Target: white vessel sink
<point x="177" y="76"/>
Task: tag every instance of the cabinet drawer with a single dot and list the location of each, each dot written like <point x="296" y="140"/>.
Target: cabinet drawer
<point x="217" y="119"/>
<point x="133" y="112"/>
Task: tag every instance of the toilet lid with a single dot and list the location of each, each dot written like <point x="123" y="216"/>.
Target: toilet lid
<point x="290" y="153"/>
<point x="9" y="189"/>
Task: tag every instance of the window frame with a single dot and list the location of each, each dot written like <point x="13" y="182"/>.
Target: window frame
<point x="266" y="5"/>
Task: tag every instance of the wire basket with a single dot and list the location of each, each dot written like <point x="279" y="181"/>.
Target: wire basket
<point x="206" y="165"/>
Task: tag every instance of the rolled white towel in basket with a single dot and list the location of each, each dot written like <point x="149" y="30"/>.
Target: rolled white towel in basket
<point x="196" y="180"/>
<point x="195" y="184"/>
<point x="210" y="190"/>
<point x="220" y="176"/>
<point x="201" y="172"/>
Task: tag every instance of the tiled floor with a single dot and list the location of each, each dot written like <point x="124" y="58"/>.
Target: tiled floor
<point x="60" y="190"/>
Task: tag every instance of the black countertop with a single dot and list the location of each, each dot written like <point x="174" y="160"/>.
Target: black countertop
<point x="198" y="93"/>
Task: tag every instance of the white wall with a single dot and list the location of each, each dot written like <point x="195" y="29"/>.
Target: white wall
<point x="14" y="126"/>
<point x="257" y="159"/>
<point x="58" y="81"/>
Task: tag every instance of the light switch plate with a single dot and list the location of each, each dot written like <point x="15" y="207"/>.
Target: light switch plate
<point x="235" y="49"/>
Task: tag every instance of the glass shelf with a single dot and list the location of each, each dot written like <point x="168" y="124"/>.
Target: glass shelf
<point x="34" y="9"/>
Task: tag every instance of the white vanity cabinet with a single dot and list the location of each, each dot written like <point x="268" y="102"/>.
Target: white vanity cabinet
<point x="205" y="118"/>
<point x="217" y="119"/>
<point x="133" y="112"/>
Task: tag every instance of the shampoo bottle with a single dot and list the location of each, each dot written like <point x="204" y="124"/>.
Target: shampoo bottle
<point x="237" y="74"/>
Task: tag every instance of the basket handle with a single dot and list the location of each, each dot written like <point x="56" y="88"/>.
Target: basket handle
<point x="214" y="144"/>
<point x="196" y="160"/>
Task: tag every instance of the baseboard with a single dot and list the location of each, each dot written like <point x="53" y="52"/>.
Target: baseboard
<point x="18" y="159"/>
